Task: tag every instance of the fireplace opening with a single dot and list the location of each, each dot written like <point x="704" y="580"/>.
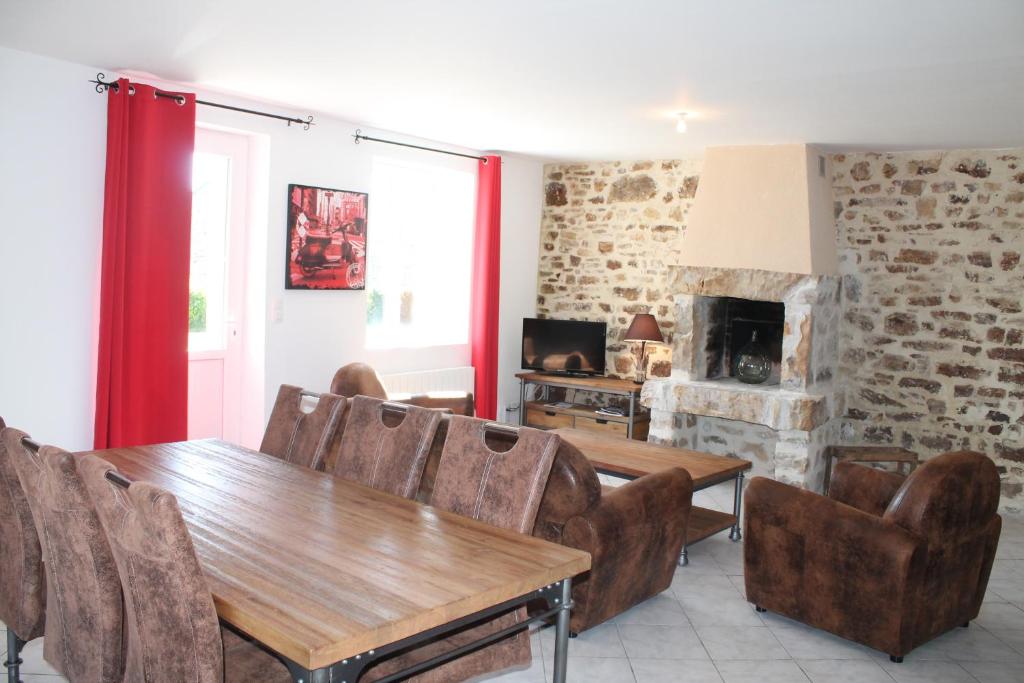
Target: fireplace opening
<point x="732" y="324"/>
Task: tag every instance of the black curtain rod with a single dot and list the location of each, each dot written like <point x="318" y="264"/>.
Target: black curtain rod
<point x="102" y="86"/>
<point x="359" y="136"/>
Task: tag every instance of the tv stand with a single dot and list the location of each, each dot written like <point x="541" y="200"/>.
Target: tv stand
<point x="634" y="424"/>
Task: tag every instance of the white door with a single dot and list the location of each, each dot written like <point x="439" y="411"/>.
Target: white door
<point x="217" y="285"/>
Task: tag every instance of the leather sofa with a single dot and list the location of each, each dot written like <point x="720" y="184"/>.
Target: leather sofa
<point x="634" y="533"/>
<point x="886" y="562"/>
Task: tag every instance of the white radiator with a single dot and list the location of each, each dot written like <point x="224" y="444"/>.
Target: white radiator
<point x="429" y="381"/>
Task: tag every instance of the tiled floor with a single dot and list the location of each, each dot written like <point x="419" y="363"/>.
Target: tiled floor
<point x="703" y="631"/>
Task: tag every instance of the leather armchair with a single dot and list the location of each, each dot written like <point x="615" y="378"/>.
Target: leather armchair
<point x="886" y="562"/>
<point x="359" y="379"/>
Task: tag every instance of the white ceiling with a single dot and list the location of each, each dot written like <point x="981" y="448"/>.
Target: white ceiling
<point x="581" y="79"/>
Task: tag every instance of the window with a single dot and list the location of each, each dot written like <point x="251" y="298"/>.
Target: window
<point x="419" y="254"/>
<point x="211" y="187"/>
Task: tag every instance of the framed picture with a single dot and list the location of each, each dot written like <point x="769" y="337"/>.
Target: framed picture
<point x="326" y="238"/>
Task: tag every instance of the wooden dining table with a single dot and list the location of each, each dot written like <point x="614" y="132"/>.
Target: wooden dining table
<point x="334" y="576"/>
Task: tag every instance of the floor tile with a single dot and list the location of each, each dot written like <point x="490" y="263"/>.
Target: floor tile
<point x="661" y="642"/>
<point x="741" y="642"/>
<point x="661" y="610"/>
<point x="761" y="672"/>
<point x="1012" y="637"/>
<point x="844" y="671"/>
<point x="924" y="671"/>
<point x="600" y="641"/>
<point x="995" y="672"/>
<point x="719" y="611"/>
<point x="706" y="585"/>
<point x="996" y="616"/>
<point x="804" y="642"/>
<point x="973" y="645"/>
<point x="33" y="662"/>
<point x="674" y="671"/>
<point x="597" y="670"/>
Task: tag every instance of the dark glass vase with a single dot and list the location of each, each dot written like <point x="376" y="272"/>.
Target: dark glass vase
<point x="752" y="364"/>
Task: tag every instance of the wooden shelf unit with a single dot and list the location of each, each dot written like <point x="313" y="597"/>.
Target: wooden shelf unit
<point x="633" y="424"/>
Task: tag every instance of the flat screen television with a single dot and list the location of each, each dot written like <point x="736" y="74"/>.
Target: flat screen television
<point x="569" y="346"/>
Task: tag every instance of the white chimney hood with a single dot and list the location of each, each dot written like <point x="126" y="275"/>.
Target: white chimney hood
<point x="763" y="207"/>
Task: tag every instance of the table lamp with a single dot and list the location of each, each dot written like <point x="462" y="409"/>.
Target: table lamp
<point x="643" y="329"/>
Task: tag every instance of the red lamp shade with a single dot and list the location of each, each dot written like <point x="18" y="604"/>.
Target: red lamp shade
<point x="644" y="328"/>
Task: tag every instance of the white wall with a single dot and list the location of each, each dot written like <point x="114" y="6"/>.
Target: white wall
<point x="52" y="149"/>
<point x="51" y="185"/>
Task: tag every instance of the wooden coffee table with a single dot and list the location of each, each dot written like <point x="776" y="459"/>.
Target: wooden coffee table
<point x="631" y="459"/>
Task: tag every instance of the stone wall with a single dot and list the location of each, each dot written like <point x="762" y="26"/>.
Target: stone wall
<point x="609" y="232"/>
<point x="932" y="340"/>
<point x="932" y="334"/>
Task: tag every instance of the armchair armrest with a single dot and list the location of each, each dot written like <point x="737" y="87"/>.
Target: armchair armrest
<point x="865" y="488"/>
<point x="459" y="402"/>
<point x="830" y="565"/>
<point x="634" y="535"/>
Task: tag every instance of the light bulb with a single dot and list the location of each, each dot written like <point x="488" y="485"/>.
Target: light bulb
<point x="681" y="124"/>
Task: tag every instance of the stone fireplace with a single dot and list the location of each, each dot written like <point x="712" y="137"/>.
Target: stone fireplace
<point x="783" y="425"/>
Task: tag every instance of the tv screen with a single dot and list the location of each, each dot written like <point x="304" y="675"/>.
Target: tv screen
<point x="564" y="346"/>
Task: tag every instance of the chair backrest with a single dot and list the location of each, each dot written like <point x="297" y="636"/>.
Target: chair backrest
<point x="357" y="379"/>
<point x="386" y="457"/>
<point x="299" y="437"/>
<point x="503" y="489"/>
<point x="173" y="632"/>
<point x="84" y="627"/>
<point x="946" y="497"/>
<point x="22" y="582"/>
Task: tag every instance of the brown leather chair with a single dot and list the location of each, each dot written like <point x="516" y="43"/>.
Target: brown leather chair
<point x="22" y="578"/>
<point x="359" y="379"/>
<point x="299" y="437"/>
<point x="386" y="455"/>
<point x="504" y="489"/>
<point x="83" y="636"/>
<point x="172" y="626"/>
<point x="886" y="562"/>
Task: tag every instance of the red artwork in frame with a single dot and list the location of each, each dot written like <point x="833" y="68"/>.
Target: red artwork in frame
<point x="326" y="238"/>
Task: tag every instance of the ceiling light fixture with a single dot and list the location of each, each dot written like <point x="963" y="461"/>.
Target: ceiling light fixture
<point x="681" y="122"/>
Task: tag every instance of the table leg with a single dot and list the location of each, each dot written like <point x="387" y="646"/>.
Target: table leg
<point x="522" y="401"/>
<point x="629" y="425"/>
<point x="684" y="558"/>
<point x="737" y="509"/>
<point x="562" y="633"/>
<point x="13" y="662"/>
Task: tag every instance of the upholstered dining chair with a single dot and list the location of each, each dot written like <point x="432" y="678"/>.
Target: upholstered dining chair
<point x="172" y="626"/>
<point x="22" y="581"/>
<point x="300" y="437"/>
<point x="385" y="445"/>
<point x="502" y="488"/>
<point x="359" y="379"/>
<point x="83" y="636"/>
<point x="886" y="562"/>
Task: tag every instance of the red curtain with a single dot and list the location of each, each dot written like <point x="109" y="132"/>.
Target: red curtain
<point x="486" y="275"/>
<point x="142" y="369"/>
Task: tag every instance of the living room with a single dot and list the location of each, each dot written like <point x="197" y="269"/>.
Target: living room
<point x="740" y="286"/>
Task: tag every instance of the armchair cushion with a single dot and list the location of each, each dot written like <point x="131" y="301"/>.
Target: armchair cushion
<point x="863" y="487"/>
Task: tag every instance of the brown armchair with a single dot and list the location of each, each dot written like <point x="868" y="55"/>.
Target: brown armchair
<point x="886" y="562"/>
<point x="634" y="533"/>
<point x="359" y="379"/>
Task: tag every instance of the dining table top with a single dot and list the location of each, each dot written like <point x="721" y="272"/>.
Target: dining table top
<point x="319" y="568"/>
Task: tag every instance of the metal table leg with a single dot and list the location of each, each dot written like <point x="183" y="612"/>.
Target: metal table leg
<point x="562" y="633"/>
<point x="522" y="401"/>
<point x="13" y="663"/>
<point x="684" y="558"/>
<point x="737" y="509"/>
<point x="629" y="425"/>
